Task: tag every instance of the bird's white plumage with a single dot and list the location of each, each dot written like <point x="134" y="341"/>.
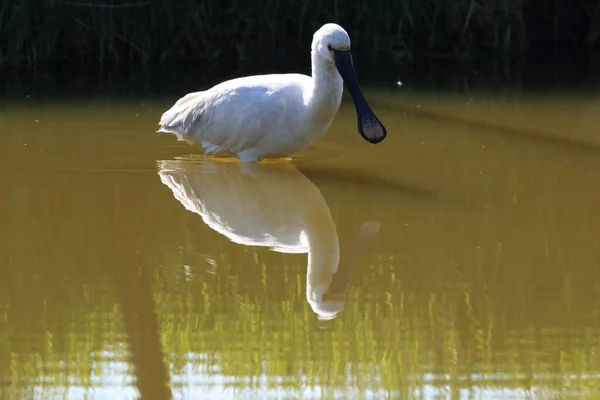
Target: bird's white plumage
<point x="264" y="116"/>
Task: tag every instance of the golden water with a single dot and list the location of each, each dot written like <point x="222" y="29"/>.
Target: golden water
<point x="459" y="257"/>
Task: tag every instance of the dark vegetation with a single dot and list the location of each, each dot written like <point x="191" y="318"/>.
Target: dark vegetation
<point x="134" y="33"/>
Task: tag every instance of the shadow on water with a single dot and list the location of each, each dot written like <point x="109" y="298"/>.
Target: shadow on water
<point x="491" y="127"/>
<point x="132" y="283"/>
<point x="323" y="175"/>
<point x="143" y="333"/>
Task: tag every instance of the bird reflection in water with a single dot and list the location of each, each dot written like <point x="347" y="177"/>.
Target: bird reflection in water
<point x="274" y="205"/>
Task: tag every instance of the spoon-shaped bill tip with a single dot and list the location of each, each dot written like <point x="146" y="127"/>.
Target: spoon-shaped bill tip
<point x="370" y="128"/>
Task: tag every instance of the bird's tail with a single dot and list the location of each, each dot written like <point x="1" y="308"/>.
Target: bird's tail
<point x="172" y="120"/>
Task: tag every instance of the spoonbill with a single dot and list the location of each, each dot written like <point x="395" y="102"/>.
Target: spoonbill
<point x="275" y="115"/>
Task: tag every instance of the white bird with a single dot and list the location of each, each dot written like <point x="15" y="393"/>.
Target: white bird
<point x="275" y="115"/>
<point x="272" y="205"/>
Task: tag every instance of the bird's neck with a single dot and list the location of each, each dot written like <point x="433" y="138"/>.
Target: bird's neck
<point x="323" y="253"/>
<point x="327" y="89"/>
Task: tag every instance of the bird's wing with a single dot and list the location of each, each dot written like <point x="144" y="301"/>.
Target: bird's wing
<point x="233" y="116"/>
<point x="172" y="120"/>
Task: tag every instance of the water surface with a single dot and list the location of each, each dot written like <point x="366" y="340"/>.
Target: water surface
<point x="459" y="257"/>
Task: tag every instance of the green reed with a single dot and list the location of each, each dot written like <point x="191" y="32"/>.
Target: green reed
<point x="133" y="32"/>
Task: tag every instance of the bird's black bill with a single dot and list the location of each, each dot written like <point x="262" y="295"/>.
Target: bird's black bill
<point x="370" y="128"/>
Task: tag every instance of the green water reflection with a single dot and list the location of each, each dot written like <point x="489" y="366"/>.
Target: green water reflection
<point x="459" y="260"/>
